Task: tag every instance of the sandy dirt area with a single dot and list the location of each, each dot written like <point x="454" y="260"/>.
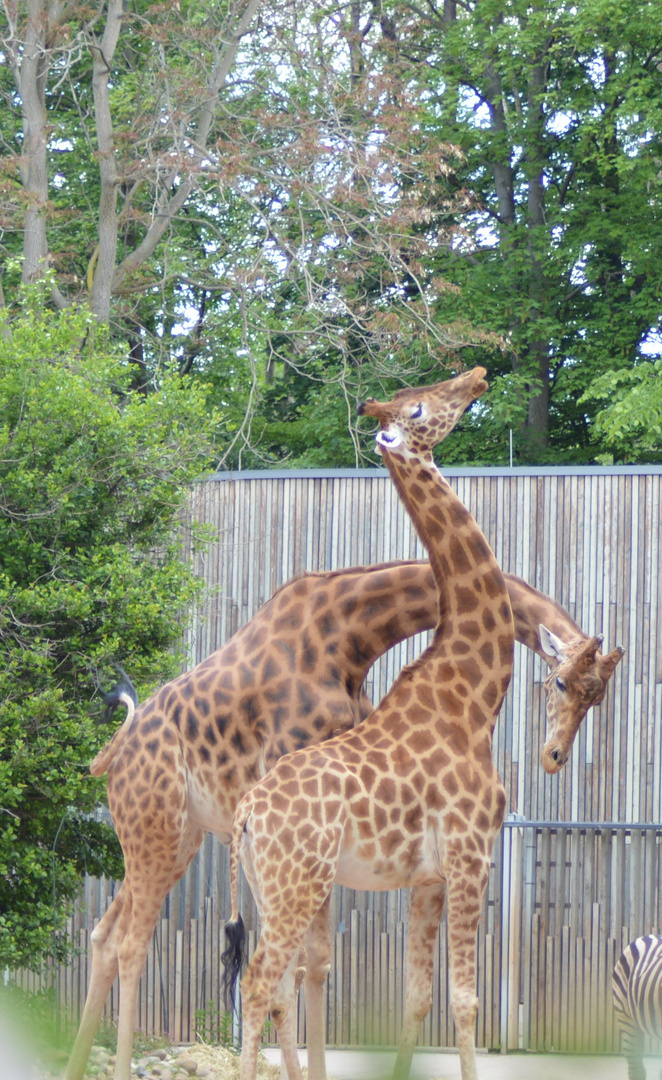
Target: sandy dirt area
<point x="430" y="1065"/>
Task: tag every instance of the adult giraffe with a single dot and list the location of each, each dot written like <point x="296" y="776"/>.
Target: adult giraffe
<point x="292" y="676"/>
<point x="411" y="797"/>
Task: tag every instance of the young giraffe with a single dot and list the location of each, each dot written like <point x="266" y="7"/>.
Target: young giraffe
<point x="310" y="648"/>
<point x="411" y="797"/>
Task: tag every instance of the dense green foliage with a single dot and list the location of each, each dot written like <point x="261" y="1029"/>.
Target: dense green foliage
<point x="92" y="476"/>
<point x="557" y="110"/>
<point x="362" y="198"/>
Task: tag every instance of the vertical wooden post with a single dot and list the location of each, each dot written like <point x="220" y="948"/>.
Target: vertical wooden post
<point x="511" y="936"/>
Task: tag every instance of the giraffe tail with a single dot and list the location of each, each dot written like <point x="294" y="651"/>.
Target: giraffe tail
<point x="122" y="694"/>
<point x="234" y="956"/>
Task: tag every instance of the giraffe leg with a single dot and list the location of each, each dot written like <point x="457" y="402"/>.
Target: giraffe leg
<point x="465" y="893"/>
<point x="265" y="986"/>
<point x="284" y="1014"/>
<point x="298" y="979"/>
<point x="287" y="1031"/>
<point x="142" y="915"/>
<point x="426" y="904"/>
<point x="283" y="1007"/>
<point x="318" y="955"/>
<point x="295" y="996"/>
<point x="104" y="970"/>
<point x="147" y="886"/>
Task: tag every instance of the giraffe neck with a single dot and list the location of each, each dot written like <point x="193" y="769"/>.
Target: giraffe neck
<point x="370" y="628"/>
<point x="531" y="608"/>
<point x="465" y="671"/>
<point x="460" y="557"/>
<point x="376" y="609"/>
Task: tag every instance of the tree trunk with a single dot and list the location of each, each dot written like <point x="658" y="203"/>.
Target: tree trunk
<point x="103" y="52"/>
<point x="501" y="169"/>
<point x="537" y="423"/>
<point x="30" y="72"/>
<point x="174" y="197"/>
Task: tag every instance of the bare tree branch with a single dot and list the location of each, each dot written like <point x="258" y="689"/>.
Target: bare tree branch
<point x="169" y="206"/>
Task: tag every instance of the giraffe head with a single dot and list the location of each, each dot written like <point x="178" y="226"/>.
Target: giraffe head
<point x="423" y="417"/>
<point x="578" y="679"/>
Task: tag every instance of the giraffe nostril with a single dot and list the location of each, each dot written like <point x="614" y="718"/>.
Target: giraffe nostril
<point x="556" y="756"/>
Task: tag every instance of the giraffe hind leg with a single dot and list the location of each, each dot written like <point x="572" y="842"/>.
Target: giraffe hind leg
<point x="266" y="987"/>
<point x="147" y="886"/>
<point x="269" y="980"/>
<point x="318" y="965"/>
<point x="104" y="970"/>
<point x="143" y="914"/>
<point x="284" y="1014"/>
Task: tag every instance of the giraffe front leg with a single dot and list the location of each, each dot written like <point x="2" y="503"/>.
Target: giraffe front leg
<point x="466" y="887"/>
<point x="426" y="904"/>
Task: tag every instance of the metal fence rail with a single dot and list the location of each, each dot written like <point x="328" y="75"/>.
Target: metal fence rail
<point x="562" y="901"/>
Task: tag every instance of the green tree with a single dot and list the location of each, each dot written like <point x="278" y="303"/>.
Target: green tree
<point x="534" y="248"/>
<point x="336" y="285"/>
<point x="303" y="205"/>
<point x="93" y="477"/>
<point x="236" y="187"/>
<point x="557" y="111"/>
<point x="629" y="422"/>
<point x="111" y="112"/>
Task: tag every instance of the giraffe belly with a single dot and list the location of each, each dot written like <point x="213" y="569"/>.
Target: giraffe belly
<point x="209" y="812"/>
<point x="416" y="863"/>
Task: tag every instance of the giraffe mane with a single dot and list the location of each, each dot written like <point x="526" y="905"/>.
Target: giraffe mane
<point x="550" y="602"/>
<point x="305" y="575"/>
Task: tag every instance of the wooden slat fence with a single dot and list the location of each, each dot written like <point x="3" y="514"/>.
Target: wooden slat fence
<point x="563" y="898"/>
<point x="591" y="539"/>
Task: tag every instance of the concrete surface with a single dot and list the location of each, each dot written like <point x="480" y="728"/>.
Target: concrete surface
<point x="438" y="1065"/>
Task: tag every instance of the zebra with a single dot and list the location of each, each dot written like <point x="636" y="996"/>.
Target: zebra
<point x="637" y="990"/>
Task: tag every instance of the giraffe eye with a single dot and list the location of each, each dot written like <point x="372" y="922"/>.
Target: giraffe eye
<point x="560" y="685"/>
<point x="418" y="412"/>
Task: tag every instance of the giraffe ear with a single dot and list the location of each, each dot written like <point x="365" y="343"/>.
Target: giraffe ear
<point x="551" y="644"/>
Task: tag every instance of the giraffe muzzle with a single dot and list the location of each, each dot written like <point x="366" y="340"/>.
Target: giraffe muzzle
<point x="390" y="438"/>
<point x="553" y="759"/>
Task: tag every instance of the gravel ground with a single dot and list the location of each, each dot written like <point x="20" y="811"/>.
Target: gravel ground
<point x="174" y="1063"/>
